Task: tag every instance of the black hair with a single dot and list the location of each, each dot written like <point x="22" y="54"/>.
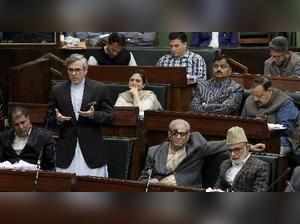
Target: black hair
<point x="178" y="35"/>
<point x="117" y="38"/>
<point x="141" y="72"/>
<point x="264" y="81"/>
<point x="220" y="57"/>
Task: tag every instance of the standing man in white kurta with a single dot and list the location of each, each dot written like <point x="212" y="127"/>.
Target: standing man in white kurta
<point x="79" y="107"/>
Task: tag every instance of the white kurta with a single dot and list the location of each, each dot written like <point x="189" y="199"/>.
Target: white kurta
<point x="79" y="165"/>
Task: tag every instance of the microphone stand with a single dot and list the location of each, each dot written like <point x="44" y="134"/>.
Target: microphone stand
<point x="148" y="180"/>
<point x="38" y="169"/>
<point x="291" y="187"/>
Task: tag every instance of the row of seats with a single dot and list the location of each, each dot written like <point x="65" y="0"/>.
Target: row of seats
<point x="144" y="56"/>
<point x="121" y="153"/>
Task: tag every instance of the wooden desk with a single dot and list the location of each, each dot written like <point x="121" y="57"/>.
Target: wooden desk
<point x="291" y="84"/>
<point x="88" y="184"/>
<point x="211" y="126"/>
<point x="17" y="181"/>
<point x="23" y="181"/>
<point x="125" y="123"/>
<point x="181" y="93"/>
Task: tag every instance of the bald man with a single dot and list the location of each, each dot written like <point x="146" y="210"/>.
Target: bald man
<point x="179" y="160"/>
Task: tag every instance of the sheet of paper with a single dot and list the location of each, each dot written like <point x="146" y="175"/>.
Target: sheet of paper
<point x="276" y="126"/>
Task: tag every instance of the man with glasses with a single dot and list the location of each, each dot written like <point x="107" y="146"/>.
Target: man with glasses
<point x="282" y="61"/>
<point x="276" y="107"/>
<point x="179" y="160"/>
<point x="242" y="172"/>
<point x="79" y="107"/>
<point x="220" y="94"/>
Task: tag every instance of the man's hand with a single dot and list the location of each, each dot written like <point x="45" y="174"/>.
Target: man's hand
<point x="154" y="181"/>
<point x="258" y="147"/>
<point x="89" y="114"/>
<point x="60" y="117"/>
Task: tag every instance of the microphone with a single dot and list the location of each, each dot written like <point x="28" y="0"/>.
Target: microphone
<point x="38" y="169"/>
<point x="290" y="187"/>
<point x="286" y="171"/>
<point x="150" y="171"/>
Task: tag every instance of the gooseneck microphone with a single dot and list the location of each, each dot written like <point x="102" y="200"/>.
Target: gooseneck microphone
<point x="38" y="169"/>
<point x="149" y="171"/>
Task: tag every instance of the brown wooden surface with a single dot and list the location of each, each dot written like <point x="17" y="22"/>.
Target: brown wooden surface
<point x="88" y="184"/>
<point x="23" y="181"/>
<point x="211" y="126"/>
<point x="30" y="83"/>
<point x="181" y="93"/>
<point x="291" y="84"/>
<point x="16" y="181"/>
<point x="125" y="123"/>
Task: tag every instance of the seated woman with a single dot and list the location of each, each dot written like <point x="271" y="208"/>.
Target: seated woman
<point x="136" y="96"/>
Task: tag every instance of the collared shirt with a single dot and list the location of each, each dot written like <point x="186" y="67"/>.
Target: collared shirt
<point x="234" y="170"/>
<point x="19" y="143"/>
<point x="76" y="96"/>
<point x="291" y="66"/>
<point x="217" y="96"/>
<point x="194" y="63"/>
<point x="214" y="43"/>
<point x="173" y="160"/>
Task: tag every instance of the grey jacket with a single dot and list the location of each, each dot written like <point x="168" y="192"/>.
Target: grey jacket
<point x="289" y="68"/>
<point x="253" y="177"/>
<point x="189" y="171"/>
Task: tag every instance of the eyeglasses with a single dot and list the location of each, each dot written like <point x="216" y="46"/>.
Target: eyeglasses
<point x="176" y="133"/>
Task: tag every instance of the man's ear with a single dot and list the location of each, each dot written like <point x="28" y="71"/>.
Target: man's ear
<point x="169" y="135"/>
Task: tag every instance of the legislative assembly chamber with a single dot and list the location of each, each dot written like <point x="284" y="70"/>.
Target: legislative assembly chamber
<point x="150" y="111"/>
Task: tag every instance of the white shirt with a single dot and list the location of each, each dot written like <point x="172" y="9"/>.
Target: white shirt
<point x="76" y="96"/>
<point x="19" y="143"/>
<point x="234" y="170"/>
<point x="214" y="43"/>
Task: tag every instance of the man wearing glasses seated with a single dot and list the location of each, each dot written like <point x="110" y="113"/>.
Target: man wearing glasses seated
<point x="179" y="160"/>
<point x="242" y="172"/>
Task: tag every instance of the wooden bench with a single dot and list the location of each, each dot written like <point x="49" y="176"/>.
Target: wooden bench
<point x="211" y="126"/>
<point x="181" y="92"/>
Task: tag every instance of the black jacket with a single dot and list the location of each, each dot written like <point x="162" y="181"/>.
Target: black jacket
<point x="39" y="139"/>
<point x="87" y="130"/>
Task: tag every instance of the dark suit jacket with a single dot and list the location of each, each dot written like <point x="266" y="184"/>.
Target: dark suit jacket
<point x="39" y="139"/>
<point x="253" y="177"/>
<point x="226" y="39"/>
<point x="87" y="130"/>
<point x="294" y="184"/>
<point x="189" y="171"/>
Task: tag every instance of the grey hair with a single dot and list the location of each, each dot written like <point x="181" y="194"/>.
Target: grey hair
<point x="184" y="122"/>
<point x="77" y="57"/>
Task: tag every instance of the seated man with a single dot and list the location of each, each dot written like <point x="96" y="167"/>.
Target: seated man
<point x="113" y="53"/>
<point x="215" y="39"/>
<point x="220" y="94"/>
<point x="180" y="56"/>
<point x="140" y="38"/>
<point x="273" y="105"/>
<point x="282" y="61"/>
<point x="26" y="143"/>
<point x="242" y="172"/>
<point x="178" y="161"/>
